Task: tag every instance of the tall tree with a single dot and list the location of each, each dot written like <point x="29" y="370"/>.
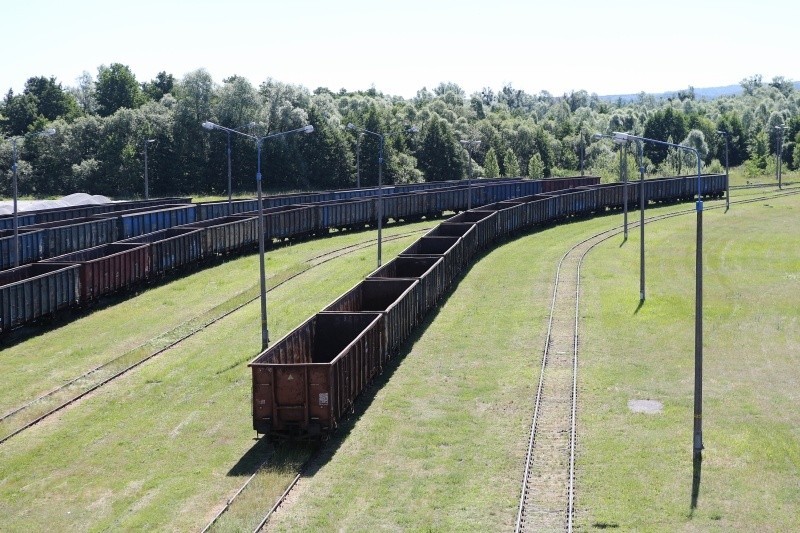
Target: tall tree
<point x="326" y="155"/>
<point x="695" y="139"/>
<point x="52" y="101"/>
<point x="440" y="154"/>
<point x="785" y="86"/>
<point x="116" y="88"/>
<point x="84" y="93"/>
<point x="511" y="164"/>
<point x="660" y="126"/>
<point x="158" y="87"/>
<point x="535" y="167"/>
<point x="490" y="166"/>
<point x="20" y="112"/>
<point x="195" y="95"/>
<point x="751" y="84"/>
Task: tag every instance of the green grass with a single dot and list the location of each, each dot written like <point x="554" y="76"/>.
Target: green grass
<point x="635" y="471"/>
<point x="738" y="177"/>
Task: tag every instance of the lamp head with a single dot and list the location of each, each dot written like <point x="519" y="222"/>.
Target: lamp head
<point x="620" y="137"/>
<point x="49" y="131"/>
<point x="597" y="136"/>
<point x="209" y="125"/>
<point x="413" y="129"/>
<point x="351" y="126"/>
<point x="150" y="141"/>
<point x="308" y="129"/>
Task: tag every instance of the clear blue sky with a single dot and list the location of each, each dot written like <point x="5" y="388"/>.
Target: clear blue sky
<point x="399" y="47"/>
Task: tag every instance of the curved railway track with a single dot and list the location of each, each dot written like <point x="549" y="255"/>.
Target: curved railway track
<point x="547" y="496"/>
<point x="107" y="372"/>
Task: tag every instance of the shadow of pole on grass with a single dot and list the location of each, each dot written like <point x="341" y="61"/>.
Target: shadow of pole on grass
<point x="697" y="467"/>
<point x="639" y="307"/>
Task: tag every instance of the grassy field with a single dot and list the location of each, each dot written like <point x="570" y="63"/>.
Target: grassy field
<point x="439" y="442"/>
<point x="635" y="471"/>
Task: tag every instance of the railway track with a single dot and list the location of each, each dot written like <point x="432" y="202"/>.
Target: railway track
<point x="761" y="185"/>
<point x="547" y="496"/>
<point x="40" y="408"/>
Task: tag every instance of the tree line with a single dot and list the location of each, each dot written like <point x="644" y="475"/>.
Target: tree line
<point x="102" y="125"/>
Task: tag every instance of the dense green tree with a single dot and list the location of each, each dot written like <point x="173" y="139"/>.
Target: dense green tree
<point x="52" y="101"/>
<point x="42" y="100"/>
<point x="660" y="126"/>
<point x="116" y="88"/>
<point x="84" y="93"/>
<point x="490" y="166"/>
<point x="237" y="105"/>
<point x="751" y="83"/>
<point x="20" y="112"/>
<point x="195" y="97"/>
<point x="759" y="151"/>
<point x="695" y="139"/>
<point x="737" y="141"/>
<point x="785" y="86"/>
<point x="440" y="153"/>
<point x="511" y="164"/>
<point x="544" y="147"/>
<point x="326" y="153"/>
<point x="776" y="130"/>
<point x="535" y="167"/>
<point x="158" y="87"/>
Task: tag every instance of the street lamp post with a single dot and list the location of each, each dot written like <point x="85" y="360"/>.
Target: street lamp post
<point x="470" y="145"/>
<point x="228" y="134"/>
<point x="642" y="203"/>
<point x="698" y="311"/>
<point x="779" y="154"/>
<point x="623" y="172"/>
<point x="358" y="160"/>
<point x="623" y="177"/>
<point x="583" y="152"/>
<point x="15" y="193"/>
<point x="262" y="270"/>
<point x="381" y="137"/>
<point x="146" y="182"/>
<point x="727" y="171"/>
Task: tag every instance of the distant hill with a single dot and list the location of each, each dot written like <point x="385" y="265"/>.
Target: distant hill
<point x="705" y="93"/>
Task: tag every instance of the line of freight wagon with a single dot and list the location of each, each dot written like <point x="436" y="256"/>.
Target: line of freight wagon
<point x="87" y="258"/>
<point x="218" y="209"/>
<point x="306" y="382"/>
<point x="53" y="232"/>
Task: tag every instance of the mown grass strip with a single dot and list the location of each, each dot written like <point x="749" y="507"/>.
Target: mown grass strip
<point x="635" y="470"/>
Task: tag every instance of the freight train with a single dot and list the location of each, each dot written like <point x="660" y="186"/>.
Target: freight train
<point x="307" y="382"/>
<point x="70" y="257"/>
